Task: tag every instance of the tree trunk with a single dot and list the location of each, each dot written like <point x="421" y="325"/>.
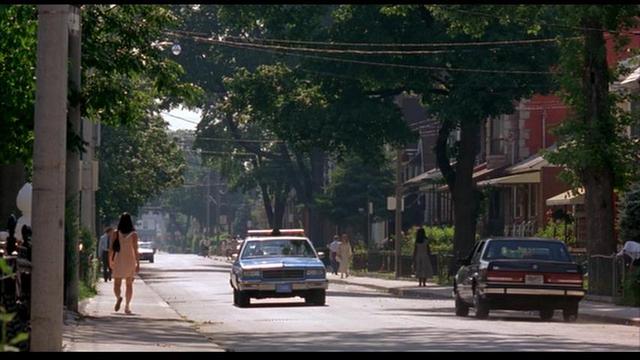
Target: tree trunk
<point x="465" y="194"/>
<point x="599" y="178"/>
<point x="266" y="201"/>
<point x="279" y="206"/>
<point x="460" y="182"/>
<point x="316" y="219"/>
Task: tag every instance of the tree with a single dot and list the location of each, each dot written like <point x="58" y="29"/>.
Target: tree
<point x="137" y="162"/>
<point x="354" y="184"/>
<point x="593" y="145"/>
<point x="476" y="84"/>
<point x="305" y="110"/>
<point x="18" y="26"/>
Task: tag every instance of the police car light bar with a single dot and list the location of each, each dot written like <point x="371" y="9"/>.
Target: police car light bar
<point x="283" y="232"/>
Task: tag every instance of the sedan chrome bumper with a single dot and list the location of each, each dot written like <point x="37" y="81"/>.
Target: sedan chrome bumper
<point x="296" y="285"/>
<point x="525" y="291"/>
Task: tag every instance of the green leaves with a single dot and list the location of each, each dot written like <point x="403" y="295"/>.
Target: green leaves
<point x="137" y="162"/>
<point x="18" y="25"/>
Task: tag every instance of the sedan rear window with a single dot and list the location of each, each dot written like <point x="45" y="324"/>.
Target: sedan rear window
<point x="526" y="250"/>
<point x="277" y="248"/>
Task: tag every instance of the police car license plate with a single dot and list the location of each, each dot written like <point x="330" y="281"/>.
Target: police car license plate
<point x="534" y="279"/>
<point x="283" y="288"/>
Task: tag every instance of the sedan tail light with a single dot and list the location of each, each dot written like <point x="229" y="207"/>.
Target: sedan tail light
<point x="505" y="276"/>
<point x="564" y="278"/>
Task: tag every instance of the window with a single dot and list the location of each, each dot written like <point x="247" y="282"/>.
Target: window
<point x="277" y="248"/>
<point x="497" y="141"/>
<point x="526" y="250"/>
<point x="476" y="256"/>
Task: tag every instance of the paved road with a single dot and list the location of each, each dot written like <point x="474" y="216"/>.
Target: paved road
<point x="359" y="319"/>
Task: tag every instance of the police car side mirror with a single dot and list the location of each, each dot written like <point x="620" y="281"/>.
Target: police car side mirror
<point x="320" y="255"/>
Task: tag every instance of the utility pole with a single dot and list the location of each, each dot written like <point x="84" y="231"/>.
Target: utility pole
<point x="49" y="156"/>
<point x="73" y="164"/>
<point x="398" y="209"/>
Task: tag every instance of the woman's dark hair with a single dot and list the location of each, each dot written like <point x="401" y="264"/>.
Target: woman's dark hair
<point x="125" y="225"/>
<point x="421" y="236"/>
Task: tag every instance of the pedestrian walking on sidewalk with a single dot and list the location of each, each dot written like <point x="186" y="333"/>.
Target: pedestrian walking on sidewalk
<point x="103" y="253"/>
<point x="333" y="253"/>
<point x="421" y="258"/>
<point x="344" y="256"/>
<point x="124" y="259"/>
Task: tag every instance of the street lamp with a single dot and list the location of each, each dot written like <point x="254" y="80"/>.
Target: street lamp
<point x="176" y="49"/>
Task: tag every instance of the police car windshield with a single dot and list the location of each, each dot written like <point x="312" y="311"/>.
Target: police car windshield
<point x="277" y="248"/>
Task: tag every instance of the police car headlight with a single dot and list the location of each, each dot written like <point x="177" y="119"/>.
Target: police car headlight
<point x="251" y="273"/>
<point x="315" y="272"/>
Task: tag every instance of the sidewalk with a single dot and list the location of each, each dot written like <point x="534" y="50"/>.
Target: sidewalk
<point x="153" y="326"/>
<point x="589" y="310"/>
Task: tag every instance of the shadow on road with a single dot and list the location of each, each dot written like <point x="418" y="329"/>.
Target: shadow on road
<point x="403" y="339"/>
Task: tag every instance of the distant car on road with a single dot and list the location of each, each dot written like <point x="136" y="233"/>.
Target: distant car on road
<point x="146" y="251"/>
<point x="277" y="266"/>
<point x="519" y="274"/>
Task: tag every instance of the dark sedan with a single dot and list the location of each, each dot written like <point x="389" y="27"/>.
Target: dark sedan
<point x="519" y="274"/>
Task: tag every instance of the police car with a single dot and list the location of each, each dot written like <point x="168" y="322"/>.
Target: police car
<point x="278" y="264"/>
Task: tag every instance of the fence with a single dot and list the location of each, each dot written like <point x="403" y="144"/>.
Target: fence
<point x="384" y="261"/>
<point x="606" y="275"/>
<point x="524" y="228"/>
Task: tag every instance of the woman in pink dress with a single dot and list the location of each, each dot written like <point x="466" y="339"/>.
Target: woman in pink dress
<point x="124" y="259"/>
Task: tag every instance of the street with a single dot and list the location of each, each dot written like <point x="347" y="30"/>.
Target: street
<point x="359" y="319"/>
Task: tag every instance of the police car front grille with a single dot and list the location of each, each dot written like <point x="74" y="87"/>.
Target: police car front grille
<point x="282" y="274"/>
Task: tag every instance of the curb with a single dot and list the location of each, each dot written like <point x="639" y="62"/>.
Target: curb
<point x="609" y="319"/>
<point x="398" y="291"/>
<point x="422" y="294"/>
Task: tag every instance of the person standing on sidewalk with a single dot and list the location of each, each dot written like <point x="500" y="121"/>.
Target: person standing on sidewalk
<point x="103" y="253"/>
<point x="344" y="256"/>
<point x="421" y="260"/>
<point x="333" y="253"/>
<point x="125" y="260"/>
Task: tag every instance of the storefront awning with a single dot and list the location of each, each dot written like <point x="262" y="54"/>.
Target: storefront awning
<point x="431" y="175"/>
<point x="633" y="77"/>
<point x="524" y="178"/>
<point x="567" y="198"/>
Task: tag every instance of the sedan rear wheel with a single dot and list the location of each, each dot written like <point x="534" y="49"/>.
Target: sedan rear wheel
<point x="570" y="313"/>
<point x="482" y="307"/>
<point x="462" y="309"/>
<point x="546" y="314"/>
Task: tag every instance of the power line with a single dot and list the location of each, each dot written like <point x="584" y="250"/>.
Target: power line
<point x="416" y="67"/>
<point x="335" y="51"/>
<point x="239" y="140"/>
<point x="442" y="44"/>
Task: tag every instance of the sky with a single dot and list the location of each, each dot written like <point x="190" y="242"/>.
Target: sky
<point x="180" y="119"/>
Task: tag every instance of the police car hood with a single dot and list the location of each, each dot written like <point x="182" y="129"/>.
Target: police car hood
<point x="280" y="262"/>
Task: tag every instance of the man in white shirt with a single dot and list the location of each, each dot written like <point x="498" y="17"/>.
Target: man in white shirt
<point x="333" y="251"/>
<point x="103" y="252"/>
